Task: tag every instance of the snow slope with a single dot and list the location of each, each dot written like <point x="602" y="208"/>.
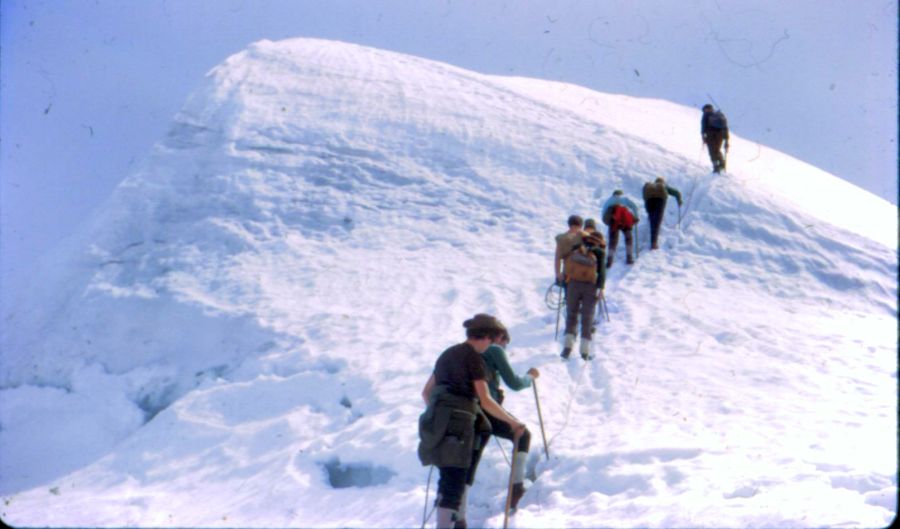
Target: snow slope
<point x="241" y="336"/>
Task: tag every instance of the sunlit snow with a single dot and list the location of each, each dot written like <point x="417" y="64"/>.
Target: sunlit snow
<point x="241" y="334"/>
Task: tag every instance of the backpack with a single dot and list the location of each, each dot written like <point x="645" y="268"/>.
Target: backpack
<point x="581" y="266"/>
<point x="622" y="218"/>
<point x="717" y="120"/>
<point x="655" y="190"/>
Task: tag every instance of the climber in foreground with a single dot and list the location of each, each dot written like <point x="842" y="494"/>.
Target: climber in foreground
<point x="620" y="213"/>
<point x="454" y="426"/>
<point x="714" y="131"/>
<point x="498" y="367"/>
<point x="656" y="194"/>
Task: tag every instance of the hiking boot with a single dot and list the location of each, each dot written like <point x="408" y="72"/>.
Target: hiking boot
<point x="609" y="261"/>
<point x="585" y="349"/>
<point x="518" y="490"/>
<point x="569" y="344"/>
<point x="654" y="246"/>
<point x="460" y="524"/>
<point x="629" y="260"/>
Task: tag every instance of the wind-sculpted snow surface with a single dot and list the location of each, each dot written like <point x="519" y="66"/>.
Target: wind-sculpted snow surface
<point x="240" y="337"/>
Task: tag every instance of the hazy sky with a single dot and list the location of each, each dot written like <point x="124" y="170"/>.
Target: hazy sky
<point x="89" y="85"/>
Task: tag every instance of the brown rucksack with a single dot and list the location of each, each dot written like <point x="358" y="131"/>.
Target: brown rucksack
<point x="655" y="190"/>
<point x="581" y="265"/>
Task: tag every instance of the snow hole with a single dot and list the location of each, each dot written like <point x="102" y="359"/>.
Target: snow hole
<point x="356" y="475"/>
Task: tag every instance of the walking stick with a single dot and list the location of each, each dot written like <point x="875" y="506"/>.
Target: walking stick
<point x="679" y="217"/>
<point x="558" y="308"/>
<point x="509" y="489"/>
<point x="637" y="241"/>
<point x="537" y="401"/>
<point x="605" y="308"/>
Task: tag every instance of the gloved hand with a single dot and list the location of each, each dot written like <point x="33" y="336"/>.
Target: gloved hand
<point x="534" y="372"/>
<point x="560" y="282"/>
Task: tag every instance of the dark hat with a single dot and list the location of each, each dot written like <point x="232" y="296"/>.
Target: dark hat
<point x="590" y="223"/>
<point x="575" y="220"/>
<point x="660" y="180"/>
<point x="618" y="192"/>
<point x="484" y="322"/>
<point x="707" y="107"/>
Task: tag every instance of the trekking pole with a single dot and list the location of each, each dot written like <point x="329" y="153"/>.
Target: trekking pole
<point x="637" y="241"/>
<point x="537" y="401"/>
<point x="558" y="308"/>
<point x="605" y="308"/>
<point x="425" y="514"/>
<point x="679" y="217"/>
<point x="509" y="489"/>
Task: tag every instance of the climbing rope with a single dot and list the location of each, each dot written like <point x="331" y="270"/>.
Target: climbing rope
<point x="569" y="403"/>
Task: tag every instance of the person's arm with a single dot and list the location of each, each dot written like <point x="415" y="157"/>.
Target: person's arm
<point x="499" y="360"/>
<point x="557" y="261"/>
<point x="675" y="193"/>
<point x="490" y="405"/>
<point x="426" y="391"/>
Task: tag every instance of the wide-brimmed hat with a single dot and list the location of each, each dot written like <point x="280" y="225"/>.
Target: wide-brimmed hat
<point x="484" y="322"/>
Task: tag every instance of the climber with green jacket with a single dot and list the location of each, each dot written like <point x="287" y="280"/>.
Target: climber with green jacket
<point x="498" y="367"/>
<point x="656" y="194"/>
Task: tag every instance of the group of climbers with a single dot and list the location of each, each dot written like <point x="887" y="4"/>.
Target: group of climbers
<point x="463" y="396"/>
<point x="580" y="260"/>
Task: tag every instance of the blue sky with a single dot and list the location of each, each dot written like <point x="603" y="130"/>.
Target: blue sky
<point x="89" y="86"/>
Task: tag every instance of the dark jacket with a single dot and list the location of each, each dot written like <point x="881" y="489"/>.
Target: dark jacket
<point x="714" y="120"/>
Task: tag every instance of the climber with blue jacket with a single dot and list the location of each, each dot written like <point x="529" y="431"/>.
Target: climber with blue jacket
<point x="620" y="213"/>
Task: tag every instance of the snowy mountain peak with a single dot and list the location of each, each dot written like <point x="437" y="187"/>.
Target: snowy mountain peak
<point x="268" y="294"/>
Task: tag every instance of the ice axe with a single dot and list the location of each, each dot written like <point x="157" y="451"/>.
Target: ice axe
<point x="603" y="305"/>
<point x="558" y="308"/>
<point x="537" y="402"/>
